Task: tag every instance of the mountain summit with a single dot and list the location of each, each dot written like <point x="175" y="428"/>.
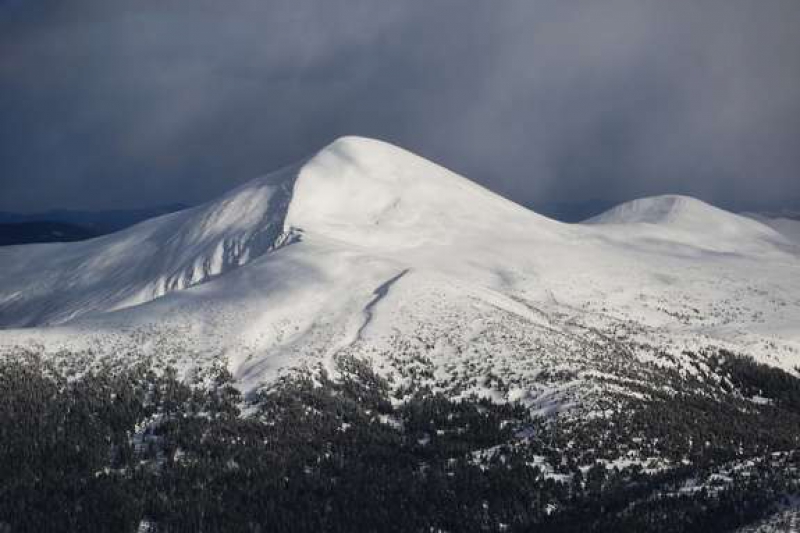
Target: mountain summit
<point x="359" y="191"/>
<point x="687" y="214"/>
<point x="371" y="193"/>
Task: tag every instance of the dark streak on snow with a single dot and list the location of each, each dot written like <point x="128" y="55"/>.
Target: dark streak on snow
<point x="380" y="293"/>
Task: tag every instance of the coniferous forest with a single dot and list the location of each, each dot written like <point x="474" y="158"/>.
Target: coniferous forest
<point x="108" y="448"/>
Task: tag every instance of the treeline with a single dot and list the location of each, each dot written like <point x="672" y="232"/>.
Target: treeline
<point x="755" y="379"/>
<point x="109" y="448"/>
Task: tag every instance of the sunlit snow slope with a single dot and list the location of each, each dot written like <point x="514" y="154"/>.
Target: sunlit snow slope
<point x="370" y="249"/>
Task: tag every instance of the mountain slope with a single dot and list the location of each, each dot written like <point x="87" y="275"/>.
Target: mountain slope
<point x="365" y="247"/>
<point x="788" y="226"/>
<point x="143" y="262"/>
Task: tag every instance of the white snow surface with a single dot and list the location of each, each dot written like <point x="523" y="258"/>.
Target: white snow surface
<point x="366" y="247"/>
<point x="788" y="226"/>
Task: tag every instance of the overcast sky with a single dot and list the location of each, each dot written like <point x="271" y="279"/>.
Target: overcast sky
<point x="116" y="104"/>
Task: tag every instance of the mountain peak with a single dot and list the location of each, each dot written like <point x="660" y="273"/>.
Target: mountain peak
<point x="372" y="193"/>
<point x="701" y="223"/>
<point x="664" y="209"/>
<point x="360" y="192"/>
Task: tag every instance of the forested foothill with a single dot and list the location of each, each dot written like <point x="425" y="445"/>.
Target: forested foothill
<point x="106" y="447"/>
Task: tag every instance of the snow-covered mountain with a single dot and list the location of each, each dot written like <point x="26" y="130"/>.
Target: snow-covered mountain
<point x="692" y="221"/>
<point x="367" y="311"/>
<point x="365" y="248"/>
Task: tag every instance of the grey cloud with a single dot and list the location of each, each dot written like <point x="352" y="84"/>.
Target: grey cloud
<point x="118" y="104"/>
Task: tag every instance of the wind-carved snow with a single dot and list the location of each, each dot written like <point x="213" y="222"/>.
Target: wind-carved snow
<point x="494" y="299"/>
<point x="55" y="283"/>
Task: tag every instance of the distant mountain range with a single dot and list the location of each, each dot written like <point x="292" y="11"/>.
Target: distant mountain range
<point x="37" y="232"/>
<point x="64" y="225"/>
<point x="106" y="221"/>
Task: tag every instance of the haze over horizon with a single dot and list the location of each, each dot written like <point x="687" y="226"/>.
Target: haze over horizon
<point x="115" y="106"/>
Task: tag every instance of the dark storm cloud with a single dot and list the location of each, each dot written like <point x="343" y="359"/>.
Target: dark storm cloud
<point x="126" y="103"/>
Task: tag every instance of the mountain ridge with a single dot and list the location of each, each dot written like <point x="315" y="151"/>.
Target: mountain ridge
<point x="288" y="265"/>
<point x="346" y="192"/>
